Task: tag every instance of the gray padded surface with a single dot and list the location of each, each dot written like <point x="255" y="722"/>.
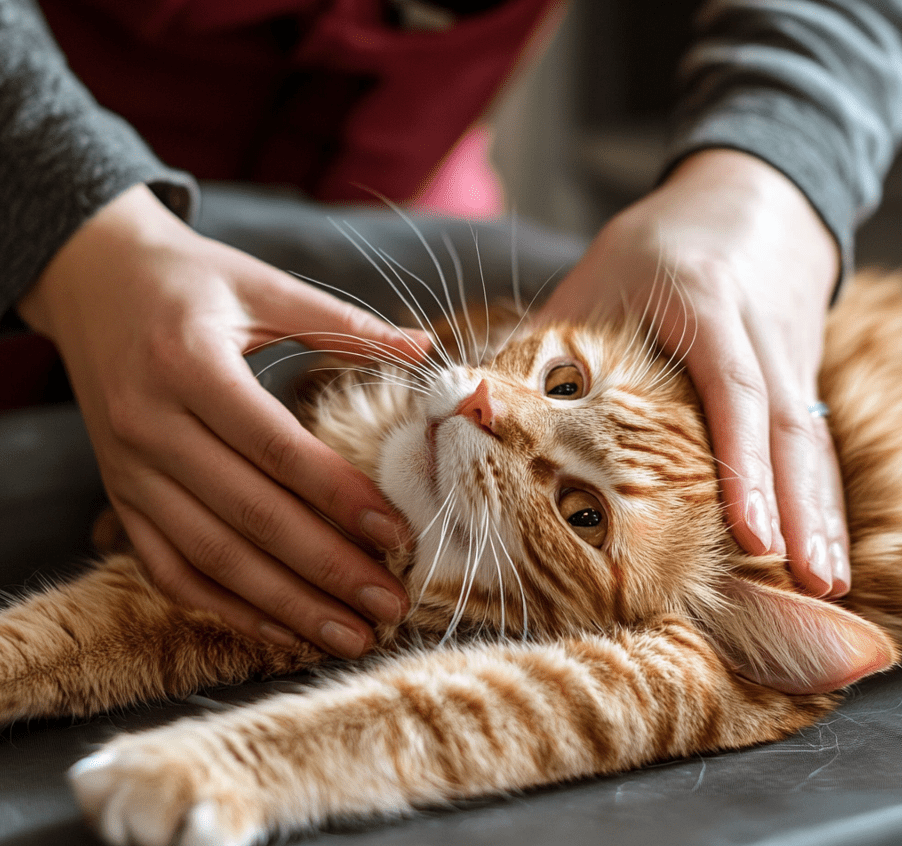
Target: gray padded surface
<point x="50" y="491"/>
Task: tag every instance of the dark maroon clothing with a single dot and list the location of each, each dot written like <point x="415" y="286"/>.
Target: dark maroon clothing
<point x="326" y="95"/>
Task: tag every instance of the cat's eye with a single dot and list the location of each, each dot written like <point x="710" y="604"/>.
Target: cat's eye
<point x="566" y="381"/>
<point x="585" y="515"/>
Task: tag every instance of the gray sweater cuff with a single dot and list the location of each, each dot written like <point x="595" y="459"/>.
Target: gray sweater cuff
<point x="62" y="156"/>
<point x="812" y="87"/>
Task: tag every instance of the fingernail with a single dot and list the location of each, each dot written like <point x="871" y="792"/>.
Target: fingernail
<point x="278" y="636"/>
<point x="381" y="604"/>
<point x="758" y="519"/>
<point x="817" y="560"/>
<point x="342" y="640"/>
<point x="839" y="566"/>
<point x="382" y="530"/>
<point x="779" y="544"/>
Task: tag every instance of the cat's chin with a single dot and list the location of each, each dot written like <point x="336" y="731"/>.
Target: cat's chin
<point x="407" y="466"/>
<point x="406" y="474"/>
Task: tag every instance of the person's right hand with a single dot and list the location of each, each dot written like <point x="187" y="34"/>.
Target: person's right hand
<point x="221" y="491"/>
<point x="732" y="270"/>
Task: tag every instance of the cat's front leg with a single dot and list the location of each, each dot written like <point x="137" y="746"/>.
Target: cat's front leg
<point x="231" y="779"/>
<point x="167" y="787"/>
<point x="109" y="638"/>
<point x="429" y="728"/>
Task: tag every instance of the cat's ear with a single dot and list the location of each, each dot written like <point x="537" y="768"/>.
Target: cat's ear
<point x="795" y="643"/>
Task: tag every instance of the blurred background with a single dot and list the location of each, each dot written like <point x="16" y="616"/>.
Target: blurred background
<point x="582" y="133"/>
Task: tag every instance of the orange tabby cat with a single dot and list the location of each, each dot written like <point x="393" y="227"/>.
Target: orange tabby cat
<point x="579" y="605"/>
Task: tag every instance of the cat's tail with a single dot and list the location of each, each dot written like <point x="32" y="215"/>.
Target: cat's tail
<point x="109" y="638"/>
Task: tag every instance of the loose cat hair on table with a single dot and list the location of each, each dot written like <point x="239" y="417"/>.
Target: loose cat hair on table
<point x="580" y="606"/>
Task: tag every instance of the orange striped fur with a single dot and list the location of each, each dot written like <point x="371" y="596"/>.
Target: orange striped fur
<point x="579" y="605"/>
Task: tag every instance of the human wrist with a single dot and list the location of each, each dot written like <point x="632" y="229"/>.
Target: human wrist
<point x="760" y="196"/>
<point x="131" y="221"/>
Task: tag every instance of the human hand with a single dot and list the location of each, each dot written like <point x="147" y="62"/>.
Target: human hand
<point x="729" y="252"/>
<point x="219" y="488"/>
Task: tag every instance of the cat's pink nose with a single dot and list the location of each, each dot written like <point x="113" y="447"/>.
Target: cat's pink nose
<point x="483" y="409"/>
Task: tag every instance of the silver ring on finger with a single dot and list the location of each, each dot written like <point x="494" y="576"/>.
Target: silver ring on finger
<point x="819" y="409"/>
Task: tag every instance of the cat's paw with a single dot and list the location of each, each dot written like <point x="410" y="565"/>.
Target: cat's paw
<point x="141" y="794"/>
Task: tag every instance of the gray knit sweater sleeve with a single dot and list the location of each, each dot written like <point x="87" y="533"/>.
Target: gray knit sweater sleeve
<point x="814" y="87"/>
<point x="62" y="156"/>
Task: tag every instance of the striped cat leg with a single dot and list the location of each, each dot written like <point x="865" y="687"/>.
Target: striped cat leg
<point x="110" y="638"/>
<point x="429" y="728"/>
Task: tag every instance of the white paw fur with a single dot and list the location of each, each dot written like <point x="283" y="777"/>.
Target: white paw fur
<point x="140" y="797"/>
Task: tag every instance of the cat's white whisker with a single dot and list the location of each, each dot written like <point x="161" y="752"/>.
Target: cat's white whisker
<point x="399" y="363"/>
<point x="449" y="631"/>
<point x="502" y="630"/>
<point x="477" y="543"/>
<point x="459" y="275"/>
<point x="410" y="300"/>
<point x="446" y="310"/>
<point x="446" y="510"/>
<point x="648" y="325"/>
<point x="379" y="382"/>
<point x="469" y="567"/>
<point x="643" y="317"/>
<point x="736" y="473"/>
<point x="525" y="313"/>
<point x="416" y="310"/>
<point x="406" y="335"/>
<point x="662" y="309"/>
<point x="383" y="374"/>
<point x="681" y="350"/>
<point x="673" y="364"/>
<point x="343" y="292"/>
<point x="371" y="359"/>
<point x="485" y="294"/>
<point x="513" y="568"/>
<point x="422" y="239"/>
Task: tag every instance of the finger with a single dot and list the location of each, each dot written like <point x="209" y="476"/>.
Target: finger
<point x="215" y="550"/>
<point x="806" y="471"/>
<point x="724" y="369"/>
<point x="834" y="512"/>
<point x="322" y="321"/>
<point x="230" y="402"/>
<point x="178" y="580"/>
<point x="273" y="520"/>
<point x="809" y="492"/>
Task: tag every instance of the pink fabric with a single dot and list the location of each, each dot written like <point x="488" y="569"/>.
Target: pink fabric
<point x="465" y="184"/>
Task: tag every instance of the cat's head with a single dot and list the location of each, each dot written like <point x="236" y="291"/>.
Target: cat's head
<point x="565" y="484"/>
